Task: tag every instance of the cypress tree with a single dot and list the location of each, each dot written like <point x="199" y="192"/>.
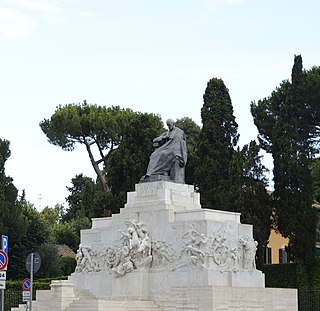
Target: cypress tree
<point x="283" y="122"/>
<point x="217" y="140"/>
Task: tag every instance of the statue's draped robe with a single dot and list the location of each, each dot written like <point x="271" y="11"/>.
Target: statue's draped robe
<point x="163" y="157"/>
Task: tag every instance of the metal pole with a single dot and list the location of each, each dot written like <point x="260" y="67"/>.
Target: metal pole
<point x="31" y="281"/>
<point x="2" y="300"/>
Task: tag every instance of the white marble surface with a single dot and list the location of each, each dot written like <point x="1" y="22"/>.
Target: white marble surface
<point x="190" y="246"/>
<point x="163" y="252"/>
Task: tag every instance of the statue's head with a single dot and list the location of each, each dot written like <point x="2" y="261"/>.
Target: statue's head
<point x="170" y="124"/>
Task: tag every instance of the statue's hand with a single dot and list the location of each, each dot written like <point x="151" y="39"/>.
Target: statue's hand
<point x="181" y="162"/>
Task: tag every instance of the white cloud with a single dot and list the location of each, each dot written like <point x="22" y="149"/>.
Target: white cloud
<point x="42" y="6"/>
<point x="19" y="18"/>
<point x="15" y="24"/>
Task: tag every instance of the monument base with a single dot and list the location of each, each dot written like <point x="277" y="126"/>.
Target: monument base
<point x="64" y="297"/>
<point x="167" y="252"/>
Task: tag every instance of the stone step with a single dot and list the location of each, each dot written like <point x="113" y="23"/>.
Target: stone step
<point x="110" y="305"/>
<point x="22" y="307"/>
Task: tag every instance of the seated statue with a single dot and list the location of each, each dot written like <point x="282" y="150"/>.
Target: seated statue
<point x="169" y="157"/>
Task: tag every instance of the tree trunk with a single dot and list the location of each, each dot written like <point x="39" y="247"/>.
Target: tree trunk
<point x="97" y="169"/>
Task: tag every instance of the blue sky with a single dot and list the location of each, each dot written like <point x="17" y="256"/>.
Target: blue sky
<point x="151" y="56"/>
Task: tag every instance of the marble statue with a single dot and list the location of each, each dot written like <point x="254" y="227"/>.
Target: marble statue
<point x="85" y="259"/>
<point x="170" y="155"/>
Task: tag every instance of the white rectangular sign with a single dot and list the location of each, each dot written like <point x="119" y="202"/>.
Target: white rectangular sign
<point x="3" y="275"/>
<point x="2" y="284"/>
<point x="26" y="296"/>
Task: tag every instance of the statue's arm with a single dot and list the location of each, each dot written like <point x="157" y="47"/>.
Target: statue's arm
<point x="159" y="141"/>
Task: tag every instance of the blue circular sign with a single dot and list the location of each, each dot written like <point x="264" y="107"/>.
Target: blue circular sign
<point x="3" y="260"/>
<point x="26" y="284"/>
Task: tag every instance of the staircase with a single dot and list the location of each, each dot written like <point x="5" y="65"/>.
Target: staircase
<point x="64" y="297"/>
<point x="110" y="305"/>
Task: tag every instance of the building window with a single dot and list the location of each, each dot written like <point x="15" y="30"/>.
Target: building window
<point x="267" y="255"/>
<point x="283" y="255"/>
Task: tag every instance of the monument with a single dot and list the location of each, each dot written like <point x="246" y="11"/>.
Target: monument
<point x="164" y="252"/>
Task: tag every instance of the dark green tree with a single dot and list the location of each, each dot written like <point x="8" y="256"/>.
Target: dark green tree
<point x="106" y="128"/>
<point x="37" y="233"/>
<point x="87" y="125"/>
<point x="12" y="221"/>
<point x="286" y="125"/>
<point x="192" y="132"/>
<point x="66" y="234"/>
<point x="315" y="173"/>
<point x="128" y="163"/>
<point x="251" y="198"/>
<point x="50" y="265"/>
<point x="81" y="198"/>
<point x="217" y="140"/>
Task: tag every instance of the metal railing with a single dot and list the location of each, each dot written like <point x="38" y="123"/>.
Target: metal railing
<point x="12" y="298"/>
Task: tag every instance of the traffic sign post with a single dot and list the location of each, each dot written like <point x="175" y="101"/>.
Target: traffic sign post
<point x="25" y="296"/>
<point x="36" y="262"/>
<point x="26" y="284"/>
<point x="5" y="243"/>
<point x="3" y="277"/>
<point x="3" y="266"/>
<point x="3" y="260"/>
<point x="33" y="263"/>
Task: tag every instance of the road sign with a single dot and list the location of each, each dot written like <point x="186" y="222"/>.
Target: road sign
<point x="3" y="275"/>
<point x="36" y="262"/>
<point x="3" y="260"/>
<point x="5" y="243"/>
<point x="26" y="284"/>
<point x="2" y="284"/>
<point x="26" y="296"/>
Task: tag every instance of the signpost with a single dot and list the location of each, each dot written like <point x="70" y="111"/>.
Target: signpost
<point x="3" y="266"/>
<point x="3" y="277"/>
<point x="26" y="286"/>
<point x="5" y="243"/>
<point x="3" y="260"/>
<point x="33" y="263"/>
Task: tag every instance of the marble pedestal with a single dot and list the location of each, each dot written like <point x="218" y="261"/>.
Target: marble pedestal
<point x="164" y="252"/>
<point x="187" y="246"/>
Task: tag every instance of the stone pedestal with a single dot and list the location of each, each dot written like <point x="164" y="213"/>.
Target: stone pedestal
<point x="187" y="246"/>
<point x="164" y="252"/>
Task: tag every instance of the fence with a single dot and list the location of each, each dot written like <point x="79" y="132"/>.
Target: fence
<point x="12" y="298"/>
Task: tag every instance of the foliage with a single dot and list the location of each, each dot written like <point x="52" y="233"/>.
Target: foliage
<point x="250" y="196"/>
<point x="192" y="132"/>
<point x="52" y="216"/>
<point x="286" y="123"/>
<point x="87" y="125"/>
<point x="81" y="198"/>
<point x="67" y="264"/>
<point x="12" y="222"/>
<point x="66" y="234"/>
<point x="49" y="260"/>
<point x="287" y="275"/>
<point x="231" y="179"/>
<point x="129" y="161"/>
<point x="38" y="284"/>
<point x="315" y="174"/>
<point x="123" y="139"/>
<point x="217" y="140"/>
<point x="280" y="275"/>
<point x="36" y="234"/>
